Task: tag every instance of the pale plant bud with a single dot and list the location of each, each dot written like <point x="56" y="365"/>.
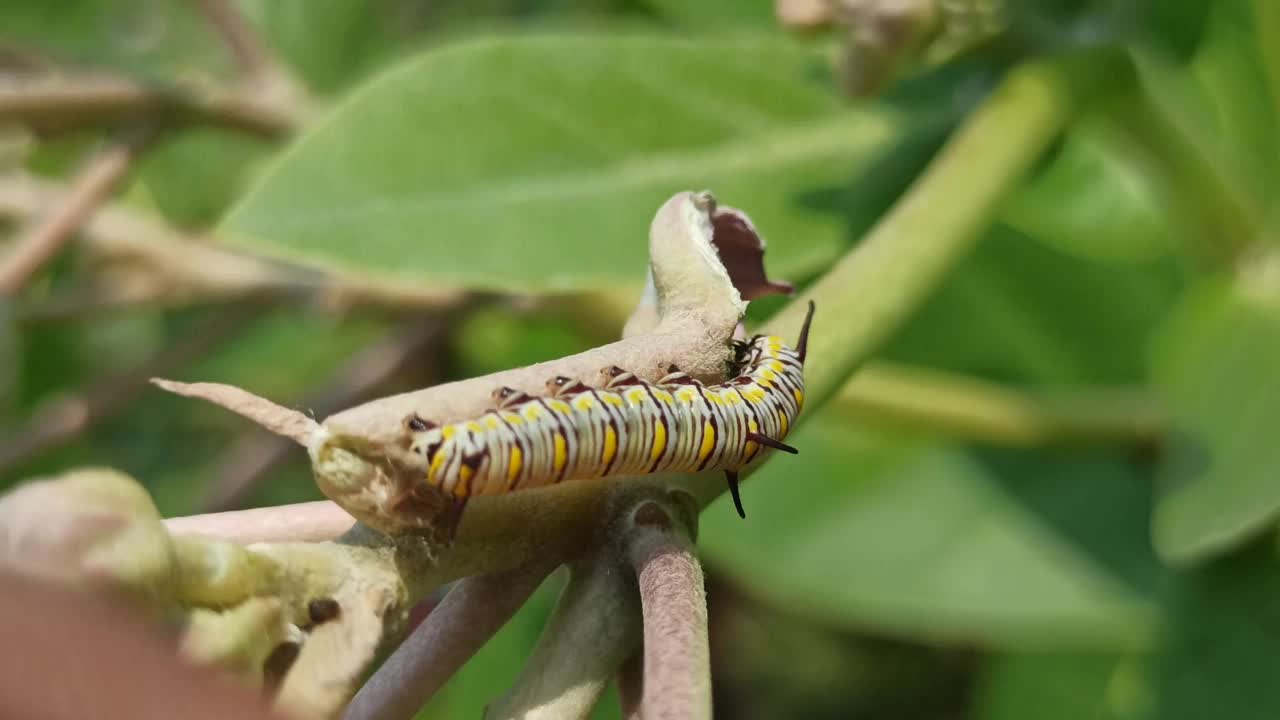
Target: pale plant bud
<point x="94" y="526"/>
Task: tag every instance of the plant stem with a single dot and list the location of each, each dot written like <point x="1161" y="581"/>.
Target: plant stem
<point x="315" y="521"/>
<point x="677" y="654"/>
<point x="979" y="410"/>
<point x="71" y="103"/>
<point x="467" y="617"/>
<point x="592" y="631"/>
<point x="874" y="287"/>
<point x="47" y="236"/>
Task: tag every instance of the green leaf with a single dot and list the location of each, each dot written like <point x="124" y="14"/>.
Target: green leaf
<point x="1098" y="199"/>
<point x="1223" y="642"/>
<point x="328" y="43"/>
<point x="1217" y="366"/>
<point x="1022" y="311"/>
<point x="194" y="176"/>
<point x="536" y="163"/>
<point x="1061" y="686"/>
<point x="928" y="541"/>
<point x="1231" y="73"/>
<point x="494" y="339"/>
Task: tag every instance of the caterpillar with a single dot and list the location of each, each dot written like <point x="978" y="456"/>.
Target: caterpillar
<point x="625" y="427"/>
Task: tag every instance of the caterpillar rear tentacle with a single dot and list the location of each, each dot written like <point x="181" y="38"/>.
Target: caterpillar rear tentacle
<point x="624" y="427"/>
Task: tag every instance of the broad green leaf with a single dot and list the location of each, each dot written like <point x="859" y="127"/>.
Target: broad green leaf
<point x="1217" y="365"/>
<point x="1024" y="311"/>
<point x="928" y="541"/>
<point x="1097" y="199"/>
<point x="496" y="338"/>
<point x="537" y="162"/>
<point x="1062" y="686"/>
<point x="1222" y="642"/>
<point x="1232" y="75"/>
<point x="195" y="175"/>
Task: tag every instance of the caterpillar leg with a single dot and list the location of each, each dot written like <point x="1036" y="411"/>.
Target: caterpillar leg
<point x="505" y="397"/>
<point x="560" y="386"/>
<point x="767" y="441"/>
<point x="732" y="477"/>
<point x="676" y="376"/>
<point x="616" y="377"/>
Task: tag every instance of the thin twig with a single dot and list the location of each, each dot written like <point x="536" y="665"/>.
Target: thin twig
<point x="63" y="104"/>
<point x="677" y="654"/>
<point x="255" y="60"/>
<point x="472" y="611"/>
<point x="45" y="238"/>
<point x="60" y="420"/>
<point x="301" y="522"/>
<point x="163" y="264"/>
<point x="265" y="75"/>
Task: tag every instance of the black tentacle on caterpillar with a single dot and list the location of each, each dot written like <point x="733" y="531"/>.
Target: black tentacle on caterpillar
<point x="625" y="427"/>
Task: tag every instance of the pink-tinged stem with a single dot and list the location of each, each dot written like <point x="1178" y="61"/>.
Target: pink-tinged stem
<point x="677" y="656"/>
<point x="464" y="621"/>
<point x="303" y="522"/>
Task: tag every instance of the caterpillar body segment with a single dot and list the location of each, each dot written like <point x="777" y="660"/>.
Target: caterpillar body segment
<point x="624" y="427"/>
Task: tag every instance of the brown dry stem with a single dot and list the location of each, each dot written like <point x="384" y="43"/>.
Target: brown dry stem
<point x="93" y="184"/>
<point x="143" y="260"/>
<point x="52" y="104"/>
<point x="263" y="72"/>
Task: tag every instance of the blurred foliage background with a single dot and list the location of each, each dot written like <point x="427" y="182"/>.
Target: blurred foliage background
<point x="340" y="199"/>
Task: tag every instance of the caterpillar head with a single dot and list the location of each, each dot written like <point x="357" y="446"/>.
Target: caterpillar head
<point x="378" y="482"/>
<point x="425" y="436"/>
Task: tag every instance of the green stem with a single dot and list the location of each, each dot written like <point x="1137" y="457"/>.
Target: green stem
<point x="984" y="411"/>
<point x="869" y="292"/>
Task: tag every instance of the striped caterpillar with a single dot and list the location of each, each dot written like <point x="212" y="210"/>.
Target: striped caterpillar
<point x="626" y="427"/>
